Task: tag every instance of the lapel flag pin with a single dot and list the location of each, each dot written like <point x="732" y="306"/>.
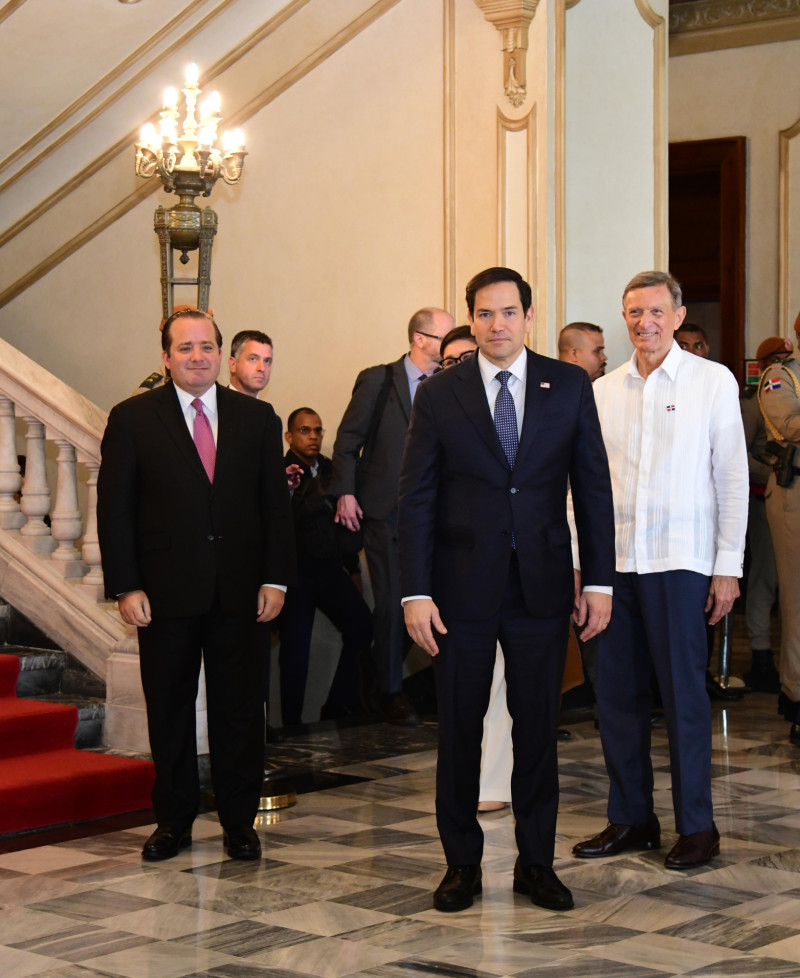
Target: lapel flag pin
<point x="545" y="383"/>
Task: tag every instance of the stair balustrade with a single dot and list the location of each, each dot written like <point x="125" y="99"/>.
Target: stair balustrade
<point x="49" y="552"/>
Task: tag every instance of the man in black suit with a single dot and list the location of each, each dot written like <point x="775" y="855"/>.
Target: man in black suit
<point x="366" y="467"/>
<point x="485" y="555"/>
<point x="197" y="546"/>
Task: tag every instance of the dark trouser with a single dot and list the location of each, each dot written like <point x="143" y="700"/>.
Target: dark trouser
<point x="170" y="652"/>
<point x="658" y="622"/>
<point x="534" y="650"/>
<point x="329" y="587"/>
<point x="391" y="638"/>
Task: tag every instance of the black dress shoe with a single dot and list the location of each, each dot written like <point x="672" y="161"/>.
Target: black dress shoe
<point x="542" y="885"/>
<point x="166" y="842"/>
<point x="398" y="709"/>
<point x="564" y="734"/>
<point x="694" y="850"/>
<point x="617" y="838"/>
<point x="242" y="842"/>
<point x="717" y="692"/>
<point x="459" y="886"/>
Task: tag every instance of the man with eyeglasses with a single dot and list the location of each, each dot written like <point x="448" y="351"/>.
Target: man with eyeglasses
<point x="327" y="561"/>
<point x="367" y="455"/>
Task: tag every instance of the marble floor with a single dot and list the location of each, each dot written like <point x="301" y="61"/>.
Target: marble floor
<point x="344" y="887"/>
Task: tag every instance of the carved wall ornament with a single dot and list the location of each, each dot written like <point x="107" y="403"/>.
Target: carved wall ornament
<point x="512" y="18"/>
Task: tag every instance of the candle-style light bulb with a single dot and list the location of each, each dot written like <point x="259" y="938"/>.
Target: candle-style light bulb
<point x="170" y="98"/>
<point x="237" y="138"/>
<point x="214" y="101"/>
<point x="192" y="75"/>
<point x="205" y="137"/>
<point x="148" y="135"/>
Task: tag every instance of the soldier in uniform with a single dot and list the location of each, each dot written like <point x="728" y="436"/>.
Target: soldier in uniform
<point x="762" y="578"/>
<point x="779" y="397"/>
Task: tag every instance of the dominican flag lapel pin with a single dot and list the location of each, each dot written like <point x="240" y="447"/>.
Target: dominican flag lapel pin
<point x="670" y="407"/>
<point x="772" y="384"/>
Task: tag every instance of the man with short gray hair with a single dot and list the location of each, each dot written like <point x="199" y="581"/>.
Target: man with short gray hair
<point x="678" y="461"/>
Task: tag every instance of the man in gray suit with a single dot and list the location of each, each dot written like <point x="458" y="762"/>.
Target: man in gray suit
<point x="366" y="469"/>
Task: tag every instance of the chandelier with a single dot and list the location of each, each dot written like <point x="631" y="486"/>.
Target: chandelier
<point x="188" y="163"/>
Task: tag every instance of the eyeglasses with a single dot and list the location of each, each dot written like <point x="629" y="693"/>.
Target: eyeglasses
<point x="305" y="430"/>
<point x="452" y="361"/>
<point x="431" y="336"/>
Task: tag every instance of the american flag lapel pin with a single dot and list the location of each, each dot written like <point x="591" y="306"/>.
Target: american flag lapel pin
<point x="545" y="383"/>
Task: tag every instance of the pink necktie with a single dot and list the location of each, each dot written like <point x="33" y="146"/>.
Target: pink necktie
<point x="204" y="439"/>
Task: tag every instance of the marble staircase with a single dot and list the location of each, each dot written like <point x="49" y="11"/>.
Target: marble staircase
<point x="49" y="674"/>
<point x="50" y="567"/>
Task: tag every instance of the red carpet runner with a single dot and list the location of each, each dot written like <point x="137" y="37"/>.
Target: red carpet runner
<point x="44" y="780"/>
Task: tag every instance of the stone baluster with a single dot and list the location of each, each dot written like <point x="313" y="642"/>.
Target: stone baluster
<point x="11" y="516"/>
<point x="66" y="516"/>
<point x="90" y="551"/>
<point x="35" y="503"/>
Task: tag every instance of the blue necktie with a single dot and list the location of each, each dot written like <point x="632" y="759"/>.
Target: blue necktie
<point x="505" y="418"/>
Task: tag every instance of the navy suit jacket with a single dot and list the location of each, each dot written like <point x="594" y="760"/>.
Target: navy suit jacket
<point x="165" y="529"/>
<point x="459" y="499"/>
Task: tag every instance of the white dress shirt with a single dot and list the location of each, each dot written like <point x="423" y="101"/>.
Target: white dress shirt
<point x="209" y="400"/>
<point x="516" y="383"/>
<point x="678" y="462"/>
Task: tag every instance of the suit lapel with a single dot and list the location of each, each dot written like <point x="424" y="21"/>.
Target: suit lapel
<point x="171" y="416"/>
<point x="400" y="380"/>
<point x="535" y="395"/>
<point x="471" y="393"/>
<point x="228" y="427"/>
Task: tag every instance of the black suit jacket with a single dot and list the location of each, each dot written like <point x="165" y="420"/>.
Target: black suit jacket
<point x="459" y="499"/>
<point x="165" y="529"/>
<point x="373" y="478"/>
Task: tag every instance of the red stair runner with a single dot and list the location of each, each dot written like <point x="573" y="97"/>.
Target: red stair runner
<point x="44" y="780"/>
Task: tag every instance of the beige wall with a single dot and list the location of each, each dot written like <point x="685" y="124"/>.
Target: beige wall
<point x="744" y="92"/>
<point x="611" y="195"/>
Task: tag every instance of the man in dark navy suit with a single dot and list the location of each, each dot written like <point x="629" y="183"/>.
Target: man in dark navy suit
<point x="196" y="538"/>
<point x="485" y="556"/>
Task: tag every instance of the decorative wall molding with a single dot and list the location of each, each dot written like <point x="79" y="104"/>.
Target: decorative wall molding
<point x="788" y="224"/>
<point x="507" y="202"/>
<point x="512" y="18"/>
<point x="8" y="9"/>
<point x="711" y="25"/>
<point x="449" y="153"/>
<point x="660" y="135"/>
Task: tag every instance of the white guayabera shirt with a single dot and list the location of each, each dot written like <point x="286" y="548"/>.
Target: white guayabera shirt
<point x="678" y="461"/>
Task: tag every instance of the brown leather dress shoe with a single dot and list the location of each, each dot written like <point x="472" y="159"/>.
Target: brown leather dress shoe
<point x="242" y="842"/>
<point x="459" y="886"/>
<point x="694" y="850"/>
<point x="166" y="842"/>
<point x="542" y="885"/>
<point x="616" y="838"/>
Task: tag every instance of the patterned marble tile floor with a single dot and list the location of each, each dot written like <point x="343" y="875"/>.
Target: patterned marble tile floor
<point x="345" y="884"/>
